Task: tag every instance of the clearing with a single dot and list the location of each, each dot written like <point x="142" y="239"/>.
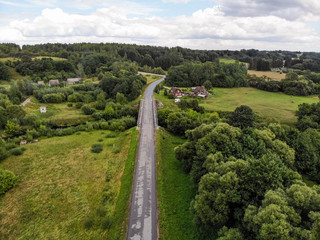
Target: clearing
<point x="273" y="75"/>
<point x="273" y="107"/>
<point x="62" y="188"/>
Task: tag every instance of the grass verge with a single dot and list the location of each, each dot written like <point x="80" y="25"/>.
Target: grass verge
<point x="119" y="226"/>
<point x="175" y="191"/>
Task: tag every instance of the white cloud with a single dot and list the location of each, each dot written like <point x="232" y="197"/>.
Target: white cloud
<point x="307" y="10"/>
<point x="176" y="1"/>
<point x="210" y="28"/>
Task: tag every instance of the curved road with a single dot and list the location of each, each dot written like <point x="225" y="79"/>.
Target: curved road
<point x="143" y="221"/>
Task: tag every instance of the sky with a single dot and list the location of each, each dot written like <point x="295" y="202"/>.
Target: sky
<point x="197" y="24"/>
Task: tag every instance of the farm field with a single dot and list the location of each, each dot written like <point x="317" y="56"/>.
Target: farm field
<point x="273" y="107"/>
<point x="58" y="112"/>
<point x="175" y="190"/>
<point x="273" y="75"/>
<point x="38" y="57"/>
<point x="62" y="191"/>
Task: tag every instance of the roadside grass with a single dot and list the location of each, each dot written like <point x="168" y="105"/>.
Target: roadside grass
<point x="119" y="225"/>
<point x="62" y="185"/>
<point x="175" y="191"/>
<point x="272" y="107"/>
<point x="165" y="100"/>
<point x="58" y="112"/>
<point x="273" y="75"/>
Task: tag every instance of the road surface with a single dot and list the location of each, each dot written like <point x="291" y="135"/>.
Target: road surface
<point x="143" y="220"/>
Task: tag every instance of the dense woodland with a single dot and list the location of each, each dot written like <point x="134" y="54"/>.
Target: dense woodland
<point x="251" y="176"/>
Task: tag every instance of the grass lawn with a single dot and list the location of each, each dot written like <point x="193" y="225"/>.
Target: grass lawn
<point x="226" y="60"/>
<point x="175" y="191"/>
<point x="273" y="107"/>
<point x="273" y="75"/>
<point x="165" y="100"/>
<point x="58" y="112"/>
<point x="61" y="185"/>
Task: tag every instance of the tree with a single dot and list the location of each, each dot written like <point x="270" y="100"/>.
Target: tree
<point x="242" y="117"/>
<point x="207" y="84"/>
<point x="12" y="129"/>
<point x="4" y="72"/>
<point x="120" y="98"/>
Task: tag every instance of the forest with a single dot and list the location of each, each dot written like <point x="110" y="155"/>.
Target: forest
<point x="254" y="179"/>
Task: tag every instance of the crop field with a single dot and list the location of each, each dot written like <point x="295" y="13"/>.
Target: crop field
<point x="58" y="112"/>
<point x="273" y="75"/>
<point x="62" y="187"/>
<point x="273" y="107"/>
<point x="12" y="59"/>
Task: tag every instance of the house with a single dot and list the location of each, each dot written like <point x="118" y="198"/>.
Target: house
<point x="200" y="91"/>
<point x="73" y="80"/>
<point x="175" y="92"/>
<point x="40" y="82"/>
<point x="53" y="82"/>
<point x="43" y="109"/>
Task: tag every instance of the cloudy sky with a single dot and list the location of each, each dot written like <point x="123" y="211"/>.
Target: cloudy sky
<point x="196" y="24"/>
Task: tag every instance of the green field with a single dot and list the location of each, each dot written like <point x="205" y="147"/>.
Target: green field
<point x="175" y="191"/>
<point x="62" y="184"/>
<point x="38" y="57"/>
<point x="58" y="112"/>
<point x="226" y="60"/>
<point x="273" y="75"/>
<point x="274" y="107"/>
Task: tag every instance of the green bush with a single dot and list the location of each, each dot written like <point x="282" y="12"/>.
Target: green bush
<point x="69" y="104"/>
<point x="3" y="153"/>
<point x="16" y="151"/>
<point x="7" y="181"/>
<point x="96" y="148"/>
<point x="79" y="105"/>
<point x="87" y="110"/>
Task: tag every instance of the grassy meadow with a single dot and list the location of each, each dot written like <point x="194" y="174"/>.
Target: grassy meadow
<point x="175" y="191"/>
<point x="58" y="112"/>
<point x="273" y="75"/>
<point x="273" y="107"/>
<point x="67" y="192"/>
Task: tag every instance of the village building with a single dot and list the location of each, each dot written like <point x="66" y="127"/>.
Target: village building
<point x="73" y="80"/>
<point x="176" y="92"/>
<point x="53" y="82"/>
<point x="200" y="91"/>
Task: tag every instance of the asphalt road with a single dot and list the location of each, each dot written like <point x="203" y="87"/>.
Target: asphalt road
<point x="143" y="221"/>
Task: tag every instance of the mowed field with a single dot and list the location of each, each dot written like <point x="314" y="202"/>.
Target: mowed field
<point x="273" y="107"/>
<point x="62" y="185"/>
<point x="273" y="75"/>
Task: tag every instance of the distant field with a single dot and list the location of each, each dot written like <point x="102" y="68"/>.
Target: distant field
<point x="61" y="187"/>
<point x="273" y="75"/>
<point x="38" y="57"/>
<point x="275" y="107"/>
<point x="226" y="60"/>
<point x="175" y="191"/>
<point x="59" y="112"/>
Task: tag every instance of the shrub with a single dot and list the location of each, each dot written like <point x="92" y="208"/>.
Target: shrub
<point x="69" y="104"/>
<point x="16" y="151"/>
<point x="7" y="181"/>
<point x="88" y="223"/>
<point x="79" y="105"/>
<point x="87" y="110"/>
<point x="3" y="153"/>
<point x="96" y="148"/>
<point x="104" y="125"/>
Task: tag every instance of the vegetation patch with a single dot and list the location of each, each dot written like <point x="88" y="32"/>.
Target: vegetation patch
<point x="62" y="186"/>
<point x="175" y="191"/>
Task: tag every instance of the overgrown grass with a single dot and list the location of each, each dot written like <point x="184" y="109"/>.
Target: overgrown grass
<point x="119" y="226"/>
<point x="273" y="75"/>
<point x="58" y="112"/>
<point x="273" y="107"/>
<point x="165" y="100"/>
<point x="175" y="191"/>
<point x="62" y="185"/>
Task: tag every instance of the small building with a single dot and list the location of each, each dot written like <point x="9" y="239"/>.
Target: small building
<point x="53" y="82"/>
<point x="40" y="82"/>
<point x="23" y="142"/>
<point x="177" y="100"/>
<point x="43" y="109"/>
<point x="73" y="80"/>
<point x="200" y="91"/>
<point x="175" y="92"/>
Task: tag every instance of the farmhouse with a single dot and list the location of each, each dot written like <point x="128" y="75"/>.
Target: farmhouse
<point x="200" y="91"/>
<point x="73" y="80"/>
<point x="53" y="82"/>
<point x="43" y="109"/>
<point x="175" y="92"/>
